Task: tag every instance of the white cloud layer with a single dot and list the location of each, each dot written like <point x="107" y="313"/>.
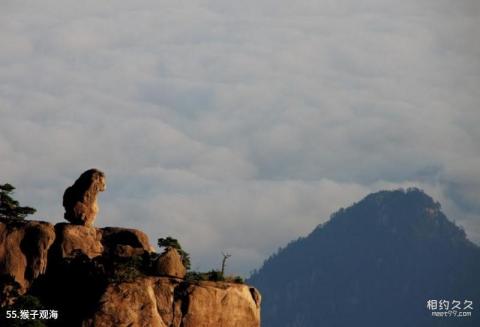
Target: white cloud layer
<point x="239" y="126"/>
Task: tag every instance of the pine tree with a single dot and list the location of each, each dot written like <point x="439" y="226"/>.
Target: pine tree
<point x="9" y="207"/>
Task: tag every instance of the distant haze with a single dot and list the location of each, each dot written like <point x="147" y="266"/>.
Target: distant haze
<point x="239" y="126"/>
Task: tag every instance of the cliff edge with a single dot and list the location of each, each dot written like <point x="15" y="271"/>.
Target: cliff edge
<point x="112" y="277"/>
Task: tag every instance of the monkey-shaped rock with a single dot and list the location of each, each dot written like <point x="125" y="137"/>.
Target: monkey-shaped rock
<point x="80" y="199"/>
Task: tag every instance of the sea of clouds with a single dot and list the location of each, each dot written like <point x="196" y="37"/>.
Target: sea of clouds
<point x="238" y="126"/>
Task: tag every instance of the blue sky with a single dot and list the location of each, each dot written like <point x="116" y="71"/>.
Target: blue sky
<point x="239" y="126"/>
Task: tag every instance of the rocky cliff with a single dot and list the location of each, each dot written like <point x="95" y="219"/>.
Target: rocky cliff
<point x="166" y="302"/>
<point x="112" y="277"/>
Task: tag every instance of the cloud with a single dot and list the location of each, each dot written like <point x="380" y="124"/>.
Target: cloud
<point x="240" y="126"/>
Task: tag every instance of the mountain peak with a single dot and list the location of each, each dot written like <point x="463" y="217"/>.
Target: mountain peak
<point x="377" y="260"/>
<point x="410" y="194"/>
<point x="408" y="213"/>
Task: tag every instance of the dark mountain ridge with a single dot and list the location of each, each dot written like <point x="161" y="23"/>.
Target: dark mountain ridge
<point x="376" y="263"/>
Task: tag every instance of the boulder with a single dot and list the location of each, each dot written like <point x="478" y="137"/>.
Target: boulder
<point x="91" y="241"/>
<point x="72" y="239"/>
<point x="114" y="236"/>
<point x="170" y="264"/>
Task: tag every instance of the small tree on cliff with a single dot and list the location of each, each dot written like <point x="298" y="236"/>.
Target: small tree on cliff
<point x="173" y="243"/>
<point x="9" y="207"/>
<point x="224" y="262"/>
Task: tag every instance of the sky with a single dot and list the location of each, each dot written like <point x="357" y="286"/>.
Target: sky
<point x="238" y="126"/>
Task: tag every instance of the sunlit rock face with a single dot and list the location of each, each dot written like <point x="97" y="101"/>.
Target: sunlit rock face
<point x="88" y="274"/>
<point x="80" y="199"/>
<point x="24" y="249"/>
<point x="170" y="264"/>
<point x="169" y="302"/>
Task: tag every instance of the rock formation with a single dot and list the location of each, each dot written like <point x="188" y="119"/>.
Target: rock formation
<point x="112" y="237"/>
<point x="73" y="239"/>
<point x="24" y="249"/>
<point x="239" y="305"/>
<point x="89" y="274"/>
<point x="170" y="264"/>
<point x="164" y="302"/>
<point x="93" y="242"/>
<point x="80" y="199"/>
